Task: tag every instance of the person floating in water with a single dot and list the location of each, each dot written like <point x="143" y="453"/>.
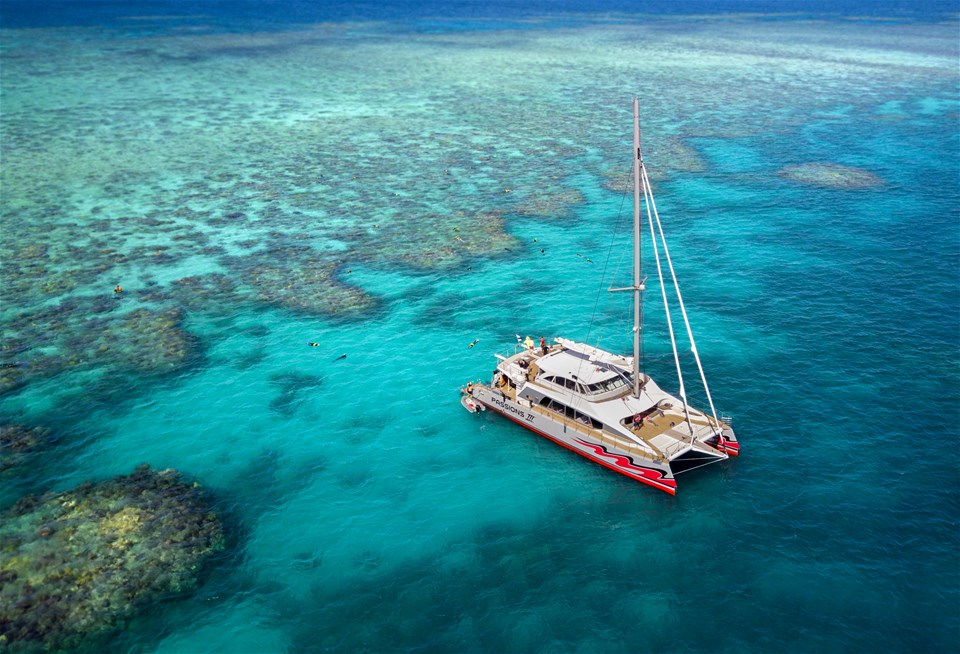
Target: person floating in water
<point x="475" y="341"/>
<point x="118" y="291"/>
<point x="313" y="344"/>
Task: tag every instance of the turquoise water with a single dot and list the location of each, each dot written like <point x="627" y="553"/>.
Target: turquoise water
<point x="376" y="186"/>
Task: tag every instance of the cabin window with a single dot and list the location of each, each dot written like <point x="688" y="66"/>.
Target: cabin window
<point x="613" y="384"/>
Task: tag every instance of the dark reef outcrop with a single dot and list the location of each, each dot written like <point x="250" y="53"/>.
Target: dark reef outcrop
<point x="18" y="443"/>
<point x="75" y="566"/>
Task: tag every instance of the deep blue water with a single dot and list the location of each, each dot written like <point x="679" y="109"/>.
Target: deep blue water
<point x="372" y="177"/>
<point x="266" y="13"/>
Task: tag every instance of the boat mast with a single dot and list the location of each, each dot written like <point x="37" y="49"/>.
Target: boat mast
<point x="637" y="282"/>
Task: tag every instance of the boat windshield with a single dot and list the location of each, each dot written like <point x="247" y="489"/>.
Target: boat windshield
<point x="608" y="385"/>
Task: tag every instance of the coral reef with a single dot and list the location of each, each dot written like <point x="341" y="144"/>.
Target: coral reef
<point x="541" y="204"/>
<point x="442" y="242"/>
<point x="299" y="278"/>
<point x="292" y="386"/>
<point x="830" y="175"/>
<point x="74" y="566"/>
<point x="667" y="155"/>
<point x="148" y="341"/>
<point x="18" y="442"/>
<point x="88" y="332"/>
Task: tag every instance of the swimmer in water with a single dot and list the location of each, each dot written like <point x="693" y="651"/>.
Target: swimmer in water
<point x="475" y="341"/>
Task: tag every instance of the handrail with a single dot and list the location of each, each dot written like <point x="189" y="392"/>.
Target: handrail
<point x="603" y="435"/>
<point x="600" y="434"/>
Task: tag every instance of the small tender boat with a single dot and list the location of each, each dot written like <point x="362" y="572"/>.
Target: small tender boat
<point x="470" y="403"/>
<point x="600" y="404"/>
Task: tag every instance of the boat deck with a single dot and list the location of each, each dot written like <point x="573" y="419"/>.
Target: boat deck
<point x="663" y="430"/>
<point x="616" y="440"/>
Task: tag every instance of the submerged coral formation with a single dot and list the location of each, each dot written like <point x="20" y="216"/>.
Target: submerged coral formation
<point x="831" y="175"/>
<point x="442" y="242"/>
<point x="543" y="204"/>
<point x="669" y="154"/>
<point x="292" y="386"/>
<point x="299" y="278"/>
<point x="84" y="333"/>
<point x="18" y="442"/>
<point x="75" y="565"/>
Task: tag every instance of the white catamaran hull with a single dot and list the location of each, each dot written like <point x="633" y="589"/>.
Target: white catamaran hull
<point x="658" y="475"/>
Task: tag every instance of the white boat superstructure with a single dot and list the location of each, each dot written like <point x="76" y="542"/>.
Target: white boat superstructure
<point x="601" y="405"/>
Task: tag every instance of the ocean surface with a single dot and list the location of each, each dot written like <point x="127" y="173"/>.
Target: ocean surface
<point x="393" y="182"/>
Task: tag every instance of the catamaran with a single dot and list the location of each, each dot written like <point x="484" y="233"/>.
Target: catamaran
<point x="600" y="404"/>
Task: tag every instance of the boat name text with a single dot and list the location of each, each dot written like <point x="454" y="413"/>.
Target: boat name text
<point x="508" y="407"/>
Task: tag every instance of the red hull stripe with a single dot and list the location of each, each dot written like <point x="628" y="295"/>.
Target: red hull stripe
<point x="731" y="448"/>
<point x="621" y="464"/>
<point x="651" y="476"/>
<point x="728" y="447"/>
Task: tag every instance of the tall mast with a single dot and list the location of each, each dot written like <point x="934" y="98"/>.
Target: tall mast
<point x="637" y="282"/>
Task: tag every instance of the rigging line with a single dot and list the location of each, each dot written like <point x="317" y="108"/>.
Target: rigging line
<point x="683" y="309"/>
<point x="648" y="201"/>
<point x="603" y="275"/>
<point x="663" y="289"/>
<point x="712" y="461"/>
<point x="606" y="263"/>
<point x="623" y="251"/>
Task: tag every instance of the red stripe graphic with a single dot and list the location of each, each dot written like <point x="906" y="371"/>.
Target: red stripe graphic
<point x="655" y="477"/>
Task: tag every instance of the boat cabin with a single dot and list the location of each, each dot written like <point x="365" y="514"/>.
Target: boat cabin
<point x="575" y="372"/>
